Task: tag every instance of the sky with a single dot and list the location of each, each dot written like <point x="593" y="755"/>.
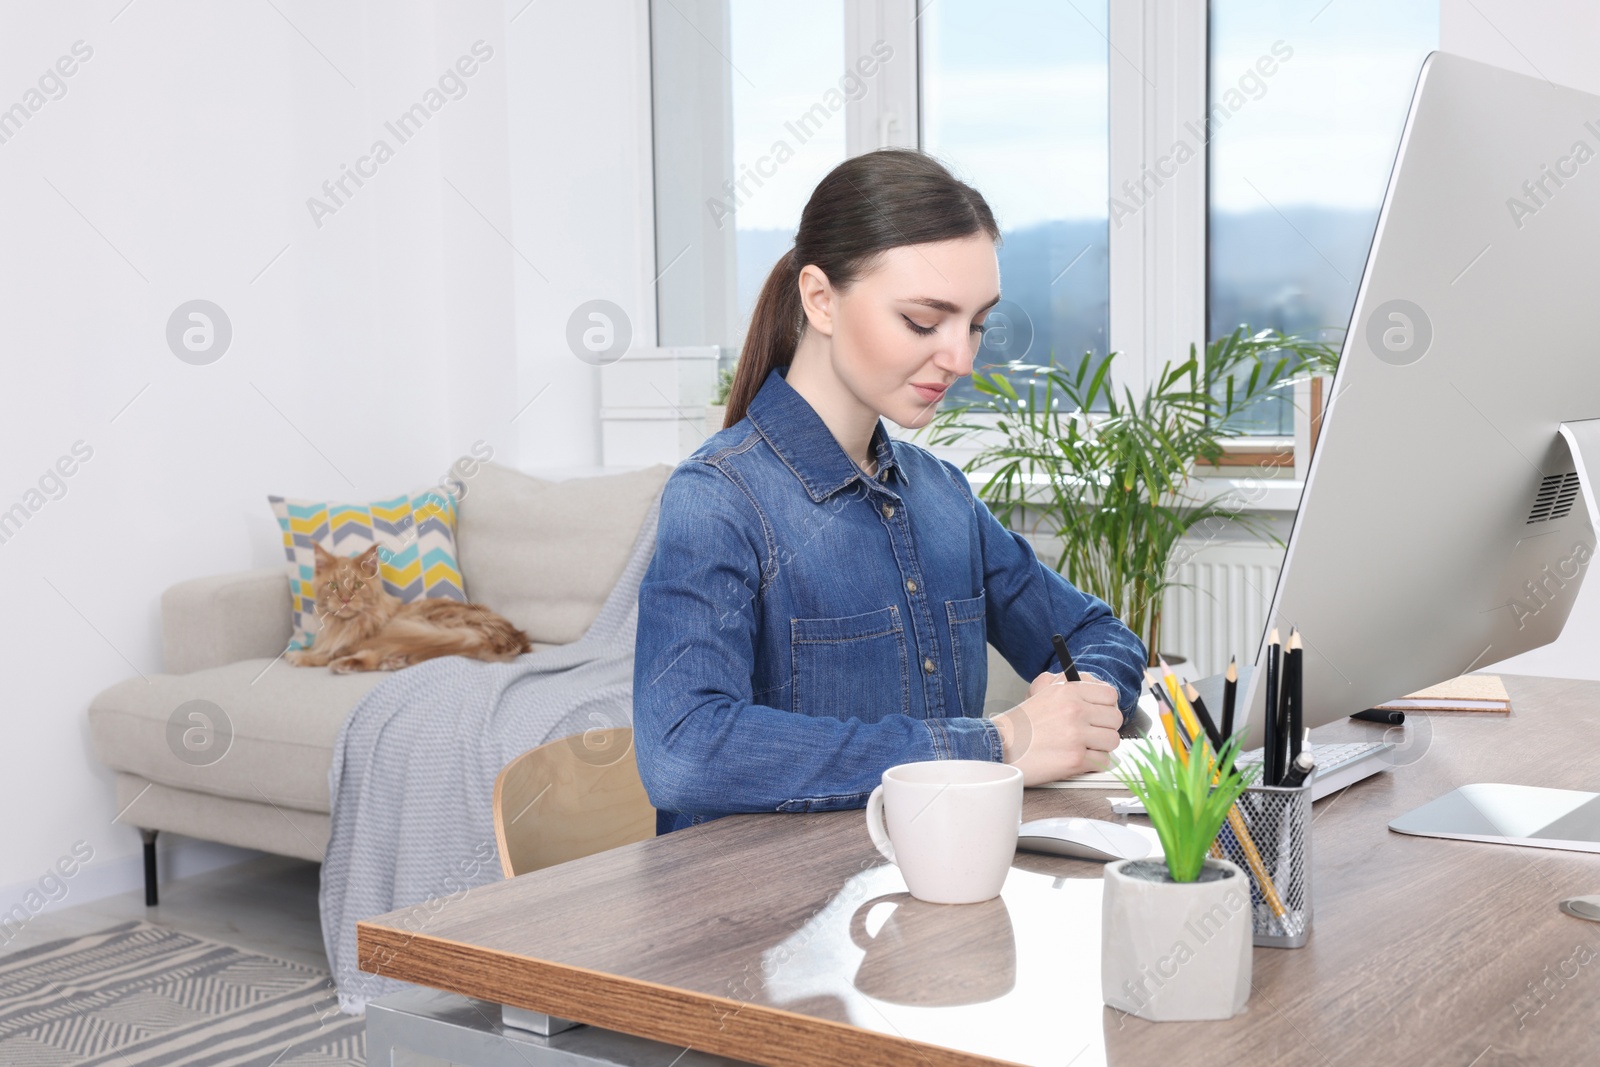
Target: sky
<point x="786" y="56"/>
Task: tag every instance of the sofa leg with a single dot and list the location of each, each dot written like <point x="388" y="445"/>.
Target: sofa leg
<point x="150" y="899"/>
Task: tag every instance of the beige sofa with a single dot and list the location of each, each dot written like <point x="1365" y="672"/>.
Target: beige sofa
<point x="252" y="770"/>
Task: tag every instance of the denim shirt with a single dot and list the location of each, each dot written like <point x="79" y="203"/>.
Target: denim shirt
<point x="803" y="627"/>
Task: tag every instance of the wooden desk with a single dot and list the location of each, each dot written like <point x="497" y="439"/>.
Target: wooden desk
<point x="785" y="940"/>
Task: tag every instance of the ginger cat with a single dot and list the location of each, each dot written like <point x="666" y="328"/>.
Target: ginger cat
<point x="365" y="628"/>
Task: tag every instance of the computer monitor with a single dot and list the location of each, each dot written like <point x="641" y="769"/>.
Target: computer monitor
<point x="1448" y="517"/>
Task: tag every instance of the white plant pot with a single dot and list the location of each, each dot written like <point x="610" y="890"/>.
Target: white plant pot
<point x="714" y="416"/>
<point x="1173" y="951"/>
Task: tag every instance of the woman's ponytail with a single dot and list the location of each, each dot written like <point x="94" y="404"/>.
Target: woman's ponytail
<point x="770" y="342"/>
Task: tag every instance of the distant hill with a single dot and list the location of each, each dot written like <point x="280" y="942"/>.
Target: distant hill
<point x="1295" y="272"/>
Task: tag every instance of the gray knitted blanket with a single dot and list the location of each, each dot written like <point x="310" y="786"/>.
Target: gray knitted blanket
<point x="414" y="766"/>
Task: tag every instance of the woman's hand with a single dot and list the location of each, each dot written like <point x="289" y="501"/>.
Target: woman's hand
<point x="1063" y="728"/>
<point x="1052" y="677"/>
<point x="1047" y="678"/>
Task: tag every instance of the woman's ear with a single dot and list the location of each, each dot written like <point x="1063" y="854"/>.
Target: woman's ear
<point x="817" y="298"/>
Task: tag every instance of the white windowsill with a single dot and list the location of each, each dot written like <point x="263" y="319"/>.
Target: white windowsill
<point x="1254" y="494"/>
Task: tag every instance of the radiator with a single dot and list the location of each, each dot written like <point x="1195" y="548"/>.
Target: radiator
<point x="1219" y="605"/>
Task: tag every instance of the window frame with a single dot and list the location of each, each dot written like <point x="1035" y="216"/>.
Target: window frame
<point x="1158" y="55"/>
<point x="1158" y="91"/>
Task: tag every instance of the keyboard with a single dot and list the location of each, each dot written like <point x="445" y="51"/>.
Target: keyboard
<point x="1338" y="763"/>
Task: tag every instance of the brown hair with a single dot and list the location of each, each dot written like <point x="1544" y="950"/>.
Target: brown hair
<point x="865" y="206"/>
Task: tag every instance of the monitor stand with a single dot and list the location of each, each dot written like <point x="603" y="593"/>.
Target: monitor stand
<point x="1510" y="815"/>
<point x="1524" y="814"/>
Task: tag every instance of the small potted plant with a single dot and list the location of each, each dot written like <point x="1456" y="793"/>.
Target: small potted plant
<point x="1175" y="935"/>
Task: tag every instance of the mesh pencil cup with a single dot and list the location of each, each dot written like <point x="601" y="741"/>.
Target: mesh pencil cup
<point x="1274" y="849"/>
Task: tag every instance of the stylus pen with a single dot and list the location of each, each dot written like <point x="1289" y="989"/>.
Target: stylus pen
<point x="1230" y="694"/>
<point x="1297" y="694"/>
<point x="1270" y="746"/>
<point x="1065" y="657"/>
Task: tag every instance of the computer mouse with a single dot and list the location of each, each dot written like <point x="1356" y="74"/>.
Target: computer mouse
<point x="1087" y="839"/>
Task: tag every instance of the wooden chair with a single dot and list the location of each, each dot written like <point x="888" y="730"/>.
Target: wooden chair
<point x="568" y="799"/>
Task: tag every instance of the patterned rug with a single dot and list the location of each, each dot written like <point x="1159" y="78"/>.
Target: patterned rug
<point x="138" y="995"/>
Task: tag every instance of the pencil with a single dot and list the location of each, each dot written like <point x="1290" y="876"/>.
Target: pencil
<point x="1230" y="694"/>
<point x="1067" y="666"/>
<point x="1164" y="713"/>
<point x="1253" y="859"/>
<point x="1285" y="700"/>
<point x="1206" y="722"/>
<point x="1270" y="745"/>
<point x="1180" y="703"/>
<point x="1296" y="694"/>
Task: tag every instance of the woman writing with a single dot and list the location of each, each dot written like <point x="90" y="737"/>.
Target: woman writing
<point x="820" y="599"/>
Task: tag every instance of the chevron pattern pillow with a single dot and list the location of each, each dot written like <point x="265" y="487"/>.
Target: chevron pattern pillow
<point x="416" y="538"/>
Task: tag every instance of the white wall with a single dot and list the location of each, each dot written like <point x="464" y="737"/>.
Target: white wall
<point x="581" y="195"/>
<point x="371" y="352"/>
<point x="1557" y="40"/>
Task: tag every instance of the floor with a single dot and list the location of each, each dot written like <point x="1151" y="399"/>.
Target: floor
<point x="266" y="905"/>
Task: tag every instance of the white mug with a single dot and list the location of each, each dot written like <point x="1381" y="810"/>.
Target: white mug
<point x="949" y="825"/>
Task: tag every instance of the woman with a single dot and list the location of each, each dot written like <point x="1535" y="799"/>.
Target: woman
<point x="820" y="597"/>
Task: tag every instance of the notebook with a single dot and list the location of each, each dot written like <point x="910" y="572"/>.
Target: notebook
<point x="1470" y="692"/>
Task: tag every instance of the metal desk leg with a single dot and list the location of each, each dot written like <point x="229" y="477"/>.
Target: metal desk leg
<point x="470" y="1032"/>
<point x="536" y="1021"/>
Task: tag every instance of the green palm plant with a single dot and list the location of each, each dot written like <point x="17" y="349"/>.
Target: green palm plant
<point x="1185" y="808"/>
<point x="1109" y="473"/>
<point x="724" y="386"/>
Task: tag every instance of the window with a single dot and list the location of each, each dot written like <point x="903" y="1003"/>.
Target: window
<point x="749" y="117"/>
<point x="1014" y="100"/>
<point x="786" y="137"/>
<point x="1306" y="104"/>
<point x="1047" y="108"/>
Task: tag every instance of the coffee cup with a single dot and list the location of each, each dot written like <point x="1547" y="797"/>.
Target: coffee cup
<point x="949" y="825"/>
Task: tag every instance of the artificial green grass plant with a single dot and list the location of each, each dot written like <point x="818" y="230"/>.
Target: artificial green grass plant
<point x="1185" y="808"/>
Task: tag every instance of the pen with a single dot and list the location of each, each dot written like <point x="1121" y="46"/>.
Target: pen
<point x="1392" y="718"/>
<point x="1270" y="745"/>
<point x="1296" y="694"/>
<point x="1230" y="694"/>
<point x="1065" y="657"/>
<point x="1206" y="722"/>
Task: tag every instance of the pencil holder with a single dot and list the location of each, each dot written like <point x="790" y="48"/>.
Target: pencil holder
<point x="1275" y="850"/>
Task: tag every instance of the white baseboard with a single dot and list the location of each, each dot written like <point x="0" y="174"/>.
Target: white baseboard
<point x="176" y="857"/>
